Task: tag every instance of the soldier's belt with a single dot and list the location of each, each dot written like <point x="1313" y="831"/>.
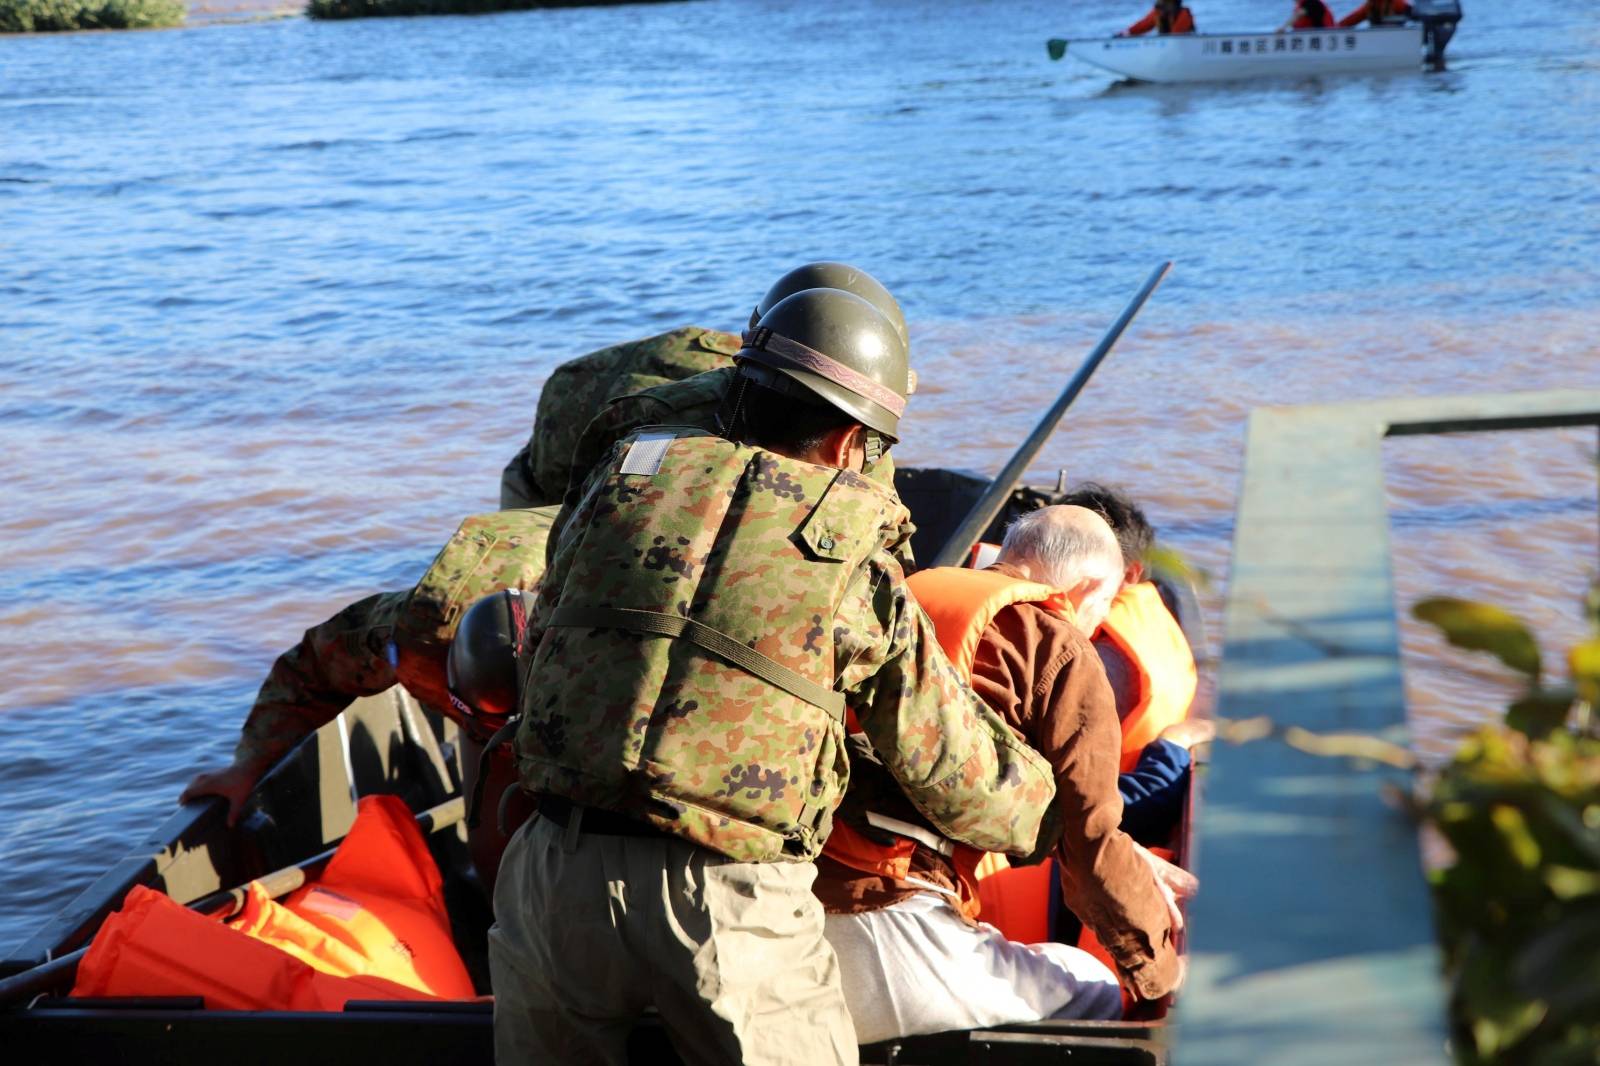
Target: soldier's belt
<point x="657" y="624"/>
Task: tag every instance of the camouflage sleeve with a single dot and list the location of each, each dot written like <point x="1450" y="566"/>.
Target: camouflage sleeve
<point x="335" y="662"/>
<point x="966" y="771"/>
<point x="882" y="472"/>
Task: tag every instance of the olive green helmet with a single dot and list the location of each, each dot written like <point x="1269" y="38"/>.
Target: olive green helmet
<point x="835" y="276"/>
<point x="832" y="346"/>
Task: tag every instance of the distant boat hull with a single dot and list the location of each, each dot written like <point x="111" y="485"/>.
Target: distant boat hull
<point x="1232" y="56"/>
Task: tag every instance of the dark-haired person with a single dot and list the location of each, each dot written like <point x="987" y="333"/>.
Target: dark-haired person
<point x="718" y="604"/>
<point x="1377" y="12"/>
<point x="1152" y="673"/>
<point x="1167" y="16"/>
<point x="1309" y="15"/>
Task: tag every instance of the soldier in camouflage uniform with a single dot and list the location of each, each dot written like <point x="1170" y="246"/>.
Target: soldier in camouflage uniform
<point x="676" y="378"/>
<point x="716" y="607"/>
<point x="399" y="637"/>
<point x="577" y="390"/>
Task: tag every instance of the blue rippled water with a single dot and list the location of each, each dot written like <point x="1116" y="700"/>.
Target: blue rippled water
<point x="276" y="300"/>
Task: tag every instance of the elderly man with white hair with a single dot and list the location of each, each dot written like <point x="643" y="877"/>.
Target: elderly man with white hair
<point x="902" y="900"/>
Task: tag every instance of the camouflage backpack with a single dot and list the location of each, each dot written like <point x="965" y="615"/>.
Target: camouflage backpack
<point x="487" y="553"/>
<point x="685" y="674"/>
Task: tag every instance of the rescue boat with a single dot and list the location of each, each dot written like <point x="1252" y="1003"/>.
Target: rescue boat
<point x="289" y="836"/>
<point x="1205" y="57"/>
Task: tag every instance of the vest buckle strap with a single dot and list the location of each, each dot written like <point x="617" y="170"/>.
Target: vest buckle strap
<point x="926" y="837"/>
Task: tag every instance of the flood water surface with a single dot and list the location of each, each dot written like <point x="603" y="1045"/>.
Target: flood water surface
<point x="276" y="301"/>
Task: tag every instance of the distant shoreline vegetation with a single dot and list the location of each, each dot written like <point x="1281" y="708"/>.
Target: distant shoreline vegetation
<point x="48" y="16"/>
<point x="355" y="9"/>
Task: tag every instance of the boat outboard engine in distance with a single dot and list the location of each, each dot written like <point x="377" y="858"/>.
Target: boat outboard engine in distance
<point x="1438" y="18"/>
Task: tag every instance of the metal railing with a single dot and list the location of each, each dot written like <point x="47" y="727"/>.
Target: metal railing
<point x="1312" y="938"/>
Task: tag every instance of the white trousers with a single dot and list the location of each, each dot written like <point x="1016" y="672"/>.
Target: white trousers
<point x="916" y="967"/>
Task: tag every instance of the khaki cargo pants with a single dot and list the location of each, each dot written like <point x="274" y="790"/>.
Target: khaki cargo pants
<point x="591" y="929"/>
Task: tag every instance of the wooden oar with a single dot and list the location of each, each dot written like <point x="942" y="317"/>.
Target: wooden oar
<point x="57" y="973"/>
<point x="1057" y="47"/>
<point x="955" y="550"/>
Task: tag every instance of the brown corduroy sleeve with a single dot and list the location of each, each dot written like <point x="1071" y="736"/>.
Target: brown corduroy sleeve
<point x="1045" y="679"/>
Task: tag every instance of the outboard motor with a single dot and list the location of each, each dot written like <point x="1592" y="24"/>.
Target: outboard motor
<point x="1438" y="18"/>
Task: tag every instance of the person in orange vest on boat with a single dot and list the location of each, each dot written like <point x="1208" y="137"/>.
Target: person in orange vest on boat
<point x="1377" y="12"/>
<point x="1167" y="16"/>
<point x="1309" y="15"/>
<point x="900" y="897"/>
<point x="1152" y="673"/>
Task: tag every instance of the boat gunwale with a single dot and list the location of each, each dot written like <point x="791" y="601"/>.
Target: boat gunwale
<point x="1150" y="39"/>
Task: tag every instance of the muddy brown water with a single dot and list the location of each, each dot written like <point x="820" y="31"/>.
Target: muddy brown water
<point x="276" y="300"/>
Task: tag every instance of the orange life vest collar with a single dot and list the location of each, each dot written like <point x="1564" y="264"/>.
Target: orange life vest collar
<point x="963" y="602"/>
<point x="1140" y="625"/>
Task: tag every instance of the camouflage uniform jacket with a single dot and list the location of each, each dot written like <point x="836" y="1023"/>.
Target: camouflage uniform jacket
<point x="577" y="390"/>
<point x="393" y="637"/>
<point x="784" y="559"/>
<point x="694" y="402"/>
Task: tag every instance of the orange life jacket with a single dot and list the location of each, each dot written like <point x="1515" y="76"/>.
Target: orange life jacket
<point x="1145" y="631"/>
<point x="961" y="603"/>
<point x="374" y="926"/>
<point x="1016" y="901"/>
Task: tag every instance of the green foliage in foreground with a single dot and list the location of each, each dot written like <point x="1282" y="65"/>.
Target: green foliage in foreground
<point x="1519" y="909"/>
<point x="355" y="9"/>
<point x="29" y="16"/>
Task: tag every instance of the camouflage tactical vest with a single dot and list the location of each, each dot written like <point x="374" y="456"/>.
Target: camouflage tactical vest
<point x="578" y="390"/>
<point x="686" y="671"/>
<point x="487" y="553"/>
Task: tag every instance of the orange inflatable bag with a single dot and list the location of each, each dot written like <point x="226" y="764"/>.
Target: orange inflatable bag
<point x="373" y="927"/>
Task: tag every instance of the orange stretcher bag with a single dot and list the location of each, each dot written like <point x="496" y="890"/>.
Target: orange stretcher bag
<point x="373" y="927"/>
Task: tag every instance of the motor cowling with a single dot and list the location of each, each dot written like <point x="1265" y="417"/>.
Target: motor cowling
<point x="1438" y="18"/>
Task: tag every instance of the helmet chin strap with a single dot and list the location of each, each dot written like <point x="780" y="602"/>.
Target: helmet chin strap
<point x="876" y="444"/>
<point x="730" y="416"/>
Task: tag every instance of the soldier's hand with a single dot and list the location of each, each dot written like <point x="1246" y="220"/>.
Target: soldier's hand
<point x="233" y="783"/>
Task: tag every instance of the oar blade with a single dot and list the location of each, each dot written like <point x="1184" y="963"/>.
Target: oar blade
<point x="955" y="549"/>
<point x="1057" y="47"/>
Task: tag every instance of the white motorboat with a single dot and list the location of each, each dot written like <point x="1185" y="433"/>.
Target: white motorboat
<point x="1194" y="57"/>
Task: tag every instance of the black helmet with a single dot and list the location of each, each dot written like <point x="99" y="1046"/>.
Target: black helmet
<point x="831" y="346"/>
<point x="481" y="670"/>
<point x="835" y="276"/>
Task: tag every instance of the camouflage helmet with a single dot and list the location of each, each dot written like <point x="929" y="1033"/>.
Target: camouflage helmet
<point x="481" y="670"/>
<point x="828" y="275"/>
<point x="833" y="346"/>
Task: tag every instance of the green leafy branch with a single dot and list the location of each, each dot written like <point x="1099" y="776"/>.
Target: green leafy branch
<point x="1519" y="908"/>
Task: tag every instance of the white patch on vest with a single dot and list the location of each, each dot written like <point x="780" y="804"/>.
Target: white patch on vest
<point x="645" y="454"/>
